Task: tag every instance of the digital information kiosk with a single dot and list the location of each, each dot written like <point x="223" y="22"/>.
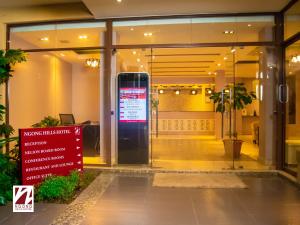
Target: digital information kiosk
<point x="133" y="118"/>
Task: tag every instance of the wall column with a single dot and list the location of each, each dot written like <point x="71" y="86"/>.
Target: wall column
<point x="106" y="98"/>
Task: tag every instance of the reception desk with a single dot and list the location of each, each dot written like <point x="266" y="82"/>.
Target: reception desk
<point x="91" y="139"/>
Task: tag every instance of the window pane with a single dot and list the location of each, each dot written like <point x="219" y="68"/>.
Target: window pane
<point x="58" y="36"/>
<point x="292" y="142"/>
<point x="53" y="83"/>
<point x="195" y="30"/>
<point x="292" y="21"/>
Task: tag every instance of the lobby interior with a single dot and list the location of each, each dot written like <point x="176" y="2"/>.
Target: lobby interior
<point x="187" y="132"/>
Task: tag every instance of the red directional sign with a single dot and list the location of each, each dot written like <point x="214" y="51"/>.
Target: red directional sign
<point x="50" y="151"/>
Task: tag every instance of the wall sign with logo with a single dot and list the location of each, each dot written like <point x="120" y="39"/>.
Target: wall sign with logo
<point x="23" y="198"/>
<point x="50" y="151"/>
<point x="133" y="105"/>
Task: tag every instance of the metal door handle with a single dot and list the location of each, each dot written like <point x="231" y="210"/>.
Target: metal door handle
<point x="287" y="93"/>
<point x="280" y="93"/>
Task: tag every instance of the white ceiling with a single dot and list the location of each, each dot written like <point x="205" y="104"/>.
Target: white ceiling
<point x="131" y="8"/>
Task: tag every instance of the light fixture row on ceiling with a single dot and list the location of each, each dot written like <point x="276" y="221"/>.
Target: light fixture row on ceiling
<point x="148" y="34"/>
<point x="81" y="37"/>
<point x="192" y="92"/>
<point x="228" y="32"/>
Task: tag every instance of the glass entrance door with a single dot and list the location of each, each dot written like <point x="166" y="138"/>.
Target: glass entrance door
<point x="205" y="108"/>
<point x="208" y="106"/>
<point x="292" y="103"/>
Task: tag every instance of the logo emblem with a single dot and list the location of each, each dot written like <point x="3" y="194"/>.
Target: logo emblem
<point x="23" y="198"/>
<point x="77" y="131"/>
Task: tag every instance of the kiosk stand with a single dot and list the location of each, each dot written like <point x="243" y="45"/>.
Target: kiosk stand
<point x="133" y="118"/>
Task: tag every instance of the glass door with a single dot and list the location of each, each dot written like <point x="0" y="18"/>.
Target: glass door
<point x="187" y="127"/>
<point x="292" y="107"/>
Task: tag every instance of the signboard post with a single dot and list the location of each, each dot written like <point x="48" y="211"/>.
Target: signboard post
<point x="50" y="151"/>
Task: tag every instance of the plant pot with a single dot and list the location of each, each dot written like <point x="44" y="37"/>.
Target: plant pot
<point x="233" y="148"/>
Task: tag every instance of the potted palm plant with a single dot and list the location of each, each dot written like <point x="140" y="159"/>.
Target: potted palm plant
<point x="233" y="97"/>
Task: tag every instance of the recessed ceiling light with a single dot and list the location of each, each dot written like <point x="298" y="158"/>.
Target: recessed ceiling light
<point x="161" y="91"/>
<point x="62" y="54"/>
<point x="209" y="73"/>
<point x="147" y="34"/>
<point x="44" y="39"/>
<point x="228" y="32"/>
<point x="219" y="64"/>
<point x="142" y="66"/>
<point x="194" y="92"/>
<point x="177" y="92"/>
<point x="119" y="0"/>
<point x="215" y="73"/>
<point x="132" y="29"/>
<point x="249" y="25"/>
<point x="138" y="59"/>
<point x="225" y="58"/>
<point x="233" y="50"/>
<point x="134" y="52"/>
<point x="83" y="36"/>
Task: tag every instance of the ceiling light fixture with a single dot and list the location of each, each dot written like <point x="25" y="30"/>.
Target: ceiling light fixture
<point x="62" y="54"/>
<point x="208" y="90"/>
<point x="233" y="50"/>
<point x="132" y="29"/>
<point x="193" y="92"/>
<point x="119" y="1"/>
<point x="44" y="39"/>
<point x="161" y="91"/>
<point x="219" y="64"/>
<point x="225" y="58"/>
<point x="82" y="37"/>
<point x="209" y="73"/>
<point x="177" y="92"/>
<point x="295" y="59"/>
<point x="147" y="34"/>
<point x="138" y="59"/>
<point x="228" y="32"/>
<point x="93" y="62"/>
<point x="249" y="25"/>
<point x="134" y="52"/>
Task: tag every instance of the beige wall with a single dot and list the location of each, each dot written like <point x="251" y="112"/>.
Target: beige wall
<point x="184" y="102"/>
<point x="85" y="91"/>
<point x="2" y="35"/>
<point x="40" y="87"/>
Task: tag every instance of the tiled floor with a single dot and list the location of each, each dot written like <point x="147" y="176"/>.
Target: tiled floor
<point x="43" y="214"/>
<point x="133" y="201"/>
<point x="201" y="152"/>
